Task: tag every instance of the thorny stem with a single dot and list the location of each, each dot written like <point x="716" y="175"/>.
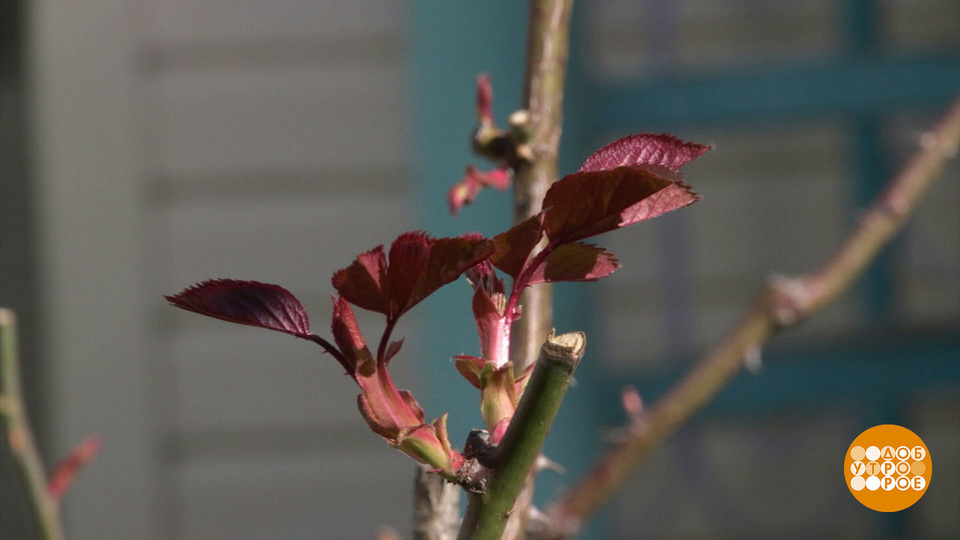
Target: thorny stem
<point x="43" y="507"/>
<point x="489" y="511"/>
<point x="781" y="306"/>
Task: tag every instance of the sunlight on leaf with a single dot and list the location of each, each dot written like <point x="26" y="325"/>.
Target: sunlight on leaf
<point x="246" y="302"/>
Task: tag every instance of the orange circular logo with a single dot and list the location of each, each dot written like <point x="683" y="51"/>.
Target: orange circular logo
<point x="887" y="468"/>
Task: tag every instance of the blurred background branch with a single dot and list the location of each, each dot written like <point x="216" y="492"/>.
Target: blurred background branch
<point x="785" y="303"/>
<point x="42" y="506"/>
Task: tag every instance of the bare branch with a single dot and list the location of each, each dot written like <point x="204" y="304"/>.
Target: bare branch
<point x="547" y="45"/>
<point x="781" y="306"/>
<point x="436" y="506"/>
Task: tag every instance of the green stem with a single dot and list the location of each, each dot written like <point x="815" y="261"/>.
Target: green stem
<point x="488" y="512"/>
<point x="44" y="509"/>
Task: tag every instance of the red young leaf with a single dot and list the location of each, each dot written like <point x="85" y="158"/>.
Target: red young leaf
<point x="513" y="246"/>
<point x="419" y="264"/>
<point x="387" y="409"/>
<point x="522" y="379"/>
<point x="489" y="305"/>
<point x="409" y="255"/>
<point x="411" y="402"/>
<point x="362" y="282"/>
<point x="349" y="339"/>
<point x="586" y="204"/>
<point x="465" y="191"/>
<point x="448" y="259"/>
<point x="644" y="149"/>
<point x="470" y="367"/>
<point x="499" y="430"/>
<point x="482" y="277"/>
<point x="498" y="178"/>
<point x="424" y="445"/>
<point x="440" y="427"/>
<point x="491" y="327"/>
<point x="380" y="423"/>
<point x="246" y="302"/>
<point x="462" y="193"/>
<point x="576" y="262"/>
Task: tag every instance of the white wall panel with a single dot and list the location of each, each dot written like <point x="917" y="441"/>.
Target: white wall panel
<point x="176" y="21"/>
<point x="298" y="243"/>
<point x="279" y="120"/>
<point x="83" y="101"/>
<point x="630" y="38"/>
<point x="782" y="225"/>
<point x="185" y="140"/>
<point x="332" y="496"/>
<point x="243" y="379"/>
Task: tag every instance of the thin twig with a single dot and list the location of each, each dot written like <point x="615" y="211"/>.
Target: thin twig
<point x="782" y="305"/>
<point x="548" y="42"/>
<point x="547" y="45"/>
<point x="530" y="150"/>
<point x="43" y="507"/>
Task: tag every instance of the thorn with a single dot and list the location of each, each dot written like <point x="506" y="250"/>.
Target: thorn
<point x="538" y="516"/>
<point x="752" y="359"/>
<point x="544" y="463"/>
<point x="632" y="403"/>
<point x="636" y="415"/>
